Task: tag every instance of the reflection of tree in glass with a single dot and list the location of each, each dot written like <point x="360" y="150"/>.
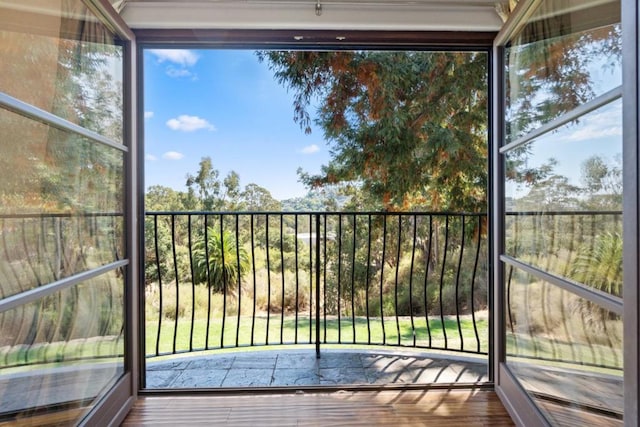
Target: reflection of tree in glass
<point x="551" y="74"/>
<point x="599" y="266"/>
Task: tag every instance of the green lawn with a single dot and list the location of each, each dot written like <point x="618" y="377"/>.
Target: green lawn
<point x="91" y="348"/>
<point x="329" y="333"/>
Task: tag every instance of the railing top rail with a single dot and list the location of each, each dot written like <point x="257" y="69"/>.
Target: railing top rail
<point x="558" y="213"/>
<point x="58" y="215"/>
<point x="343" y="213"/>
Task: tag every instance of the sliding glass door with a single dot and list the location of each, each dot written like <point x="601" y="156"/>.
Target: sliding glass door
<point x="560" y="252"/>
<point x="63" y="253"/>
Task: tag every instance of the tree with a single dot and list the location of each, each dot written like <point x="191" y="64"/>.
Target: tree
<point x="257" y="198"/>
<point x="407" y="128"/>
<point x="219" y="261"/>
<point x="602" y="182"/>
<point x="205" y="185"/>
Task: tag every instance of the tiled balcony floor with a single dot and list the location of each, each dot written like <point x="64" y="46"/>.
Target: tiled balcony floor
<point x="301" y="368"/>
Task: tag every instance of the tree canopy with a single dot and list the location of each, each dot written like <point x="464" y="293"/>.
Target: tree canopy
<point x="409" y="129"/>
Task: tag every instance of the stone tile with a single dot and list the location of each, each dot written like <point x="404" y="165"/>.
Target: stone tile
<point x="339" y="360"/>
<point x="162" y="379"/>
<point x="287" y="377"/>
<point x="167" y="365"/>
<point x="342" y="376"/>
<point x="297" y="361"/>
<point x="239" y="377"/>
<point x="254" y="362"/>
<point x="215" y="362"/>
<point x="197" y="378"/>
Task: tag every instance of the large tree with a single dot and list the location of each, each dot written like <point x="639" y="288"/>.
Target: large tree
<point x="409" y="129"/>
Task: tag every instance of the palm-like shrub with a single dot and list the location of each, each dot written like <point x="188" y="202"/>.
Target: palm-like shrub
<point x="600" y="266"/>
<point x="227" y="262"/>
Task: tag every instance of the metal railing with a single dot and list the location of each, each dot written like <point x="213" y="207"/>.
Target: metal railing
<point x="221" y="280"/>
<point x="546" y="322"/>
<point x="79" y="323"/>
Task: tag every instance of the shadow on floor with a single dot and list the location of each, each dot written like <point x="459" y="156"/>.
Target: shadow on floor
<point x="302" y="368"/>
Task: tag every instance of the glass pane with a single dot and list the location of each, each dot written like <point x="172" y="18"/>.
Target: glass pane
<point x="64" y="62"/>
<point x="564" y="201"/>
<point x="61" y="352"/>
<point x="566" y="351"/>
<point x="60" y="204"/>
<point x="567" y="54"/>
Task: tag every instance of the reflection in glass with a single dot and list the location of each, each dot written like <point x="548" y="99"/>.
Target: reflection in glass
<point x="563" y="348"/>
<point x="69" y="65"/>
<point x="62" y="351"/>
<point x="557" y="63"/>
<point x="60" y="204"/>
<point x="564" y="201"/>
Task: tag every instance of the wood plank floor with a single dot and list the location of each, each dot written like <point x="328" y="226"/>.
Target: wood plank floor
<point x="362" y="408"/>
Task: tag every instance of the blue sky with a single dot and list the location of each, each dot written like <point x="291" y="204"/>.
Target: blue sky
<point x="226" y="105"/>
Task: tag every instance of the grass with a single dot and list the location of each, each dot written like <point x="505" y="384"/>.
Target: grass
<point x="61" y="351"/>
<point x="331" y="331"/>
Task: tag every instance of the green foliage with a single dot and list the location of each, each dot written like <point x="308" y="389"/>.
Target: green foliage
<point x="410" y="128"/>
<point x="221" y="263"/>
<point x="600" y="264"/>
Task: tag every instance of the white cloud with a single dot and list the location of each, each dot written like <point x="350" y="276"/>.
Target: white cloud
<point x="178" y="72"/>
<point x="172" y="155"/>
<point x="593" y="132"/>
<point x="150" y="157"/>
<point x="187" y="123"/>
<point x="148" y="114"/>
<point x="603" y="124"/>
<point x="310" y="149"/>
<point x="182" y="57"/>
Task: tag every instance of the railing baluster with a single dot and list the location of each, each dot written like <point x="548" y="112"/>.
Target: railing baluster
<point x="425" y="294"/>
<point x="193" y="283"/>
<point x="413" y="256"/>
<point x="367" y="278"/>
<point x="444" y="263"/>
<point x="175" y="269"/>
<point x="295" y="234"/>
<point x="282" y="273"/>
<point x="384" y="247"/>
<point x="318" y="286"/>
<point x="223" y="272"/>
<point x="155" y="241"/>
<point x="27" y="252"/>
<point x="353" y="279"/>
<point x="253" y="269"/>
<point x="527" y="311"/>
<point x="266" y="231"/>
<point x="509" y="312"/>
<point x="239" y="278"/>
<point x="339" y="296"/>
<point x="473" y="284"/>
<point x="395" y="285"/>
<point x="324" y="275"/>
<point x="208" y="269"/>
<point x="311" y="278"/>
<point x="458" y="283"/>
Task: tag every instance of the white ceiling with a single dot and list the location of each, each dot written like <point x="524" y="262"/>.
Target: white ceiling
<point x="416" y="15"/>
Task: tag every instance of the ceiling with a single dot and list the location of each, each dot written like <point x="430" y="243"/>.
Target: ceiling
<point x="407" y="15"/>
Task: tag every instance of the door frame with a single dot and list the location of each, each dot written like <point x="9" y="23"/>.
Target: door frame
<point x="113" y="407"/>
<point x="515" y="399"/>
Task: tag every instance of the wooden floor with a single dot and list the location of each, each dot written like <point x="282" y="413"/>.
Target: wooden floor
<point x="362" y="408"/>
